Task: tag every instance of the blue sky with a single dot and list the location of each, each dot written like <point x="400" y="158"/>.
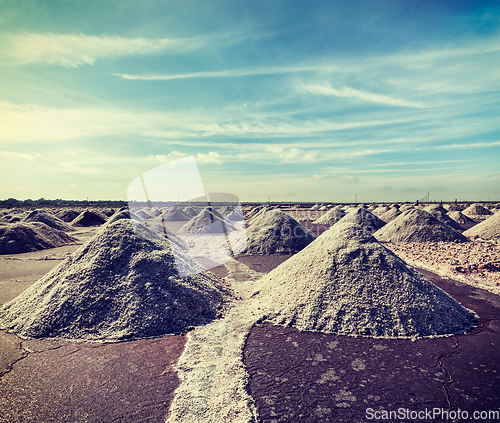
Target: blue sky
<point x="297" y="100"/>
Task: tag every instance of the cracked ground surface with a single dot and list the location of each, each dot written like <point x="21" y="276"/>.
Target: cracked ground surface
<point x="315" y="377"/>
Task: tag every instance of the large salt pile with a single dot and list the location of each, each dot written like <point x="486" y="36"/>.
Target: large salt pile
<point x="274" y="232"/>
<point x="48" y="219"/>
<point x="331" y="217"/>
<point x="67" y="215"/>
<point x="174" y="214"/>
<point x="440" y="214"/>
<point x="476" y="210"/>
<point x="27" y="237"/>
<point x="345" y="282"/>
<point x="416" y="225"/>
<point x="488" y="229"/>
<point x="391" y="214"/>
<point x="88" y="218"/>
<point x="363" y="218"/>
<point x="123" y="284"/>
<point x="207" y="221"/>
<point x="459" y="217"/>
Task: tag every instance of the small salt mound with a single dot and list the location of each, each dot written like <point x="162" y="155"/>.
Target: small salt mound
<point x="67" y="215"/>
<point x="256" y="211"/>
<point x="120" y="285"/>
<point x="208" y="221"/>
<point x="459" y="217"/>
<point x="274" y="232"/>
<point x="405" y="207"/>
<point x="331" y="217"/>
<point x="88" y="218"/>
<point x="345" y="282"/>
<point x="444" y="218"/>
<point x="488" y="229"/>
<point x="143" y="214"/>
<point x="361" y="217"/>
<point x="174" y="214"/>
<point x="27" y="237"/>
<point x="455" y="207"/>
<point x="390" y="215"/>
<point x="190" y="211"/>
<point x="48" y="219"/>
<point x="108" y="212"/>
<point x="416" y="225"/>
<point x="435" y="207"/>
<point x="231" y="213"/>
<point x="476" y="210"/>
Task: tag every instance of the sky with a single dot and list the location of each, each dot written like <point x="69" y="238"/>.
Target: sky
<point x="314" y="101"/>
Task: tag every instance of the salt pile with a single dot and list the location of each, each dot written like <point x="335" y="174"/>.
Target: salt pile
<point x="455" y="207"/>
<point x="143" y="214"/>
<point x="364" y="219"/>
<point x="48" y="219"/>
<point x="476" y="210"/>
<point x="488" y="229"/>
<point x="331" y="217"/>
<point x="417" y="226"/>
<point x="67" y="215"/>
<point x="27" y="237"/>
<point x="274" y="232"/>
<point x="443" y="217"/>
<point x="345" y="282"/>
<point x="124" y="213"/>
<point x="88" y="218"/>
<point x="174" y="214"/>
<point x="459" y="217"/>
<point x="206" y="222"/>
<point x="123" y="284"/>
<point x="390" y="215"/>
<point x="190" y="211"/>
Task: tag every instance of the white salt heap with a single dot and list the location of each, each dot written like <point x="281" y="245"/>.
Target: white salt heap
<point x="331" y="217"/>
<point x="207" y="221"/>
<point x="488" y="229"/>
<point x="123" y="284"/>
<point x="416" y="225"/>
<point x="273" y="232"/>
<point x="27" y="237"/>
<point x="476" y="210"/>
<point x="47" y="218"/>
<point x="345" y="282"/>
<point x="174" y="214"/>
<point x="459" y="217"/>
<point x="364" y="219"/>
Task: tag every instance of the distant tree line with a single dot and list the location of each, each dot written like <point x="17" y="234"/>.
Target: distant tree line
<point x="11" y="202"/>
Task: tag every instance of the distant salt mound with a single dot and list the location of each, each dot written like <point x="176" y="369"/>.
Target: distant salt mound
<point x="435" y="207"/>
<point x="191" y="211"/>
<point x="363" y="218"/>
<point x="274" y="232"/>
<point x="124" y="213"/>
<point x="345" y="282"/>
<point x="476" y="210"/>
<point x="48" y="219"/>
<point x="231" y="213"/>
<point x="120" y="285"/>
<point x="417" y="226"/>
<point x="455" y="207"/>
<point x="459" y="217"/>
<point x="67" y="215"/>
<point x="390" y="215"/>
<point x="174" y="214"/>
<point x="208" y="221"/>
<point x="88" y="218"/>
<point x="143" y="214"/>
<point x="331" y="217"/>
<point x="488" y="229"/>
<point x="444" y="218"/>
<point x="27" y="237"/>
<point x="255" y="212"/>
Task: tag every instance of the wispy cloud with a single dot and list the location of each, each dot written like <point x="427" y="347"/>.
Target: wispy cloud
<point x="347" y="92"/>
<point x="211" y="157"/>
<point x="73" y="50"/>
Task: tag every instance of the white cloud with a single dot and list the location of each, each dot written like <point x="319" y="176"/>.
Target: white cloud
<point x="293" y="154"/>
<point x="348" y="92"/>
<point x="163" y="158"/>
<point x="211" y="157"/>
<point x="339" y="178"/>
<point x="76" y="49"/>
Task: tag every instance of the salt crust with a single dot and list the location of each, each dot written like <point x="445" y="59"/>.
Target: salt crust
<point x="123" y="284"/>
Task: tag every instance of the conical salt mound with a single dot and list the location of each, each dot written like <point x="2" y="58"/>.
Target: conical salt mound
<point x="390" y="215"/>
<point x="488" y="229"/>
<point x="459" y="217"/>
<point x="331" y="216"/>
<point x="476" y="210"/>
<point x="455" y="207"/>
<point x="208" y="221"/>
<point x="274" y="232"/>
<point x="435" y="207"/>
<point x="88" y="218"/>
<point x="67" y="215"/>
<point x="416" y="225"/>
<point x="363" y="218"/>
<point x="174" y="214"/>
<point x="444" y="218"/>
<point x="124" y="213"/>
<point x="123" y="284"/>
<point x="143" y="214"/>
<point x="27" y="237"/>
<point x="48" y="219"/>
<point x="345" y="282"/>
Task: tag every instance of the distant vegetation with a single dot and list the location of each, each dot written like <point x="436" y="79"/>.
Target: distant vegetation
<point x="10" y="202"/>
